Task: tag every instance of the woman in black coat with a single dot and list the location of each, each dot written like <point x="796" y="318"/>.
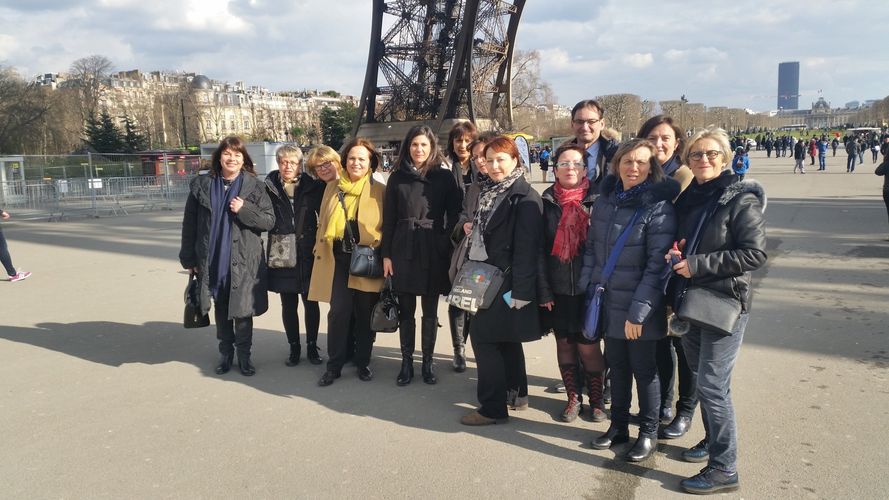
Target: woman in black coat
<point x="225" y="213"/>
<point x="460" y="139"/>
<point x="296" y="198"/>
<point x="633" y="311"/>
<point x="566" y="219"/>
<point x="506" y="232"/>
<point x="420" y="210"/>
<point x="730" y="244"/>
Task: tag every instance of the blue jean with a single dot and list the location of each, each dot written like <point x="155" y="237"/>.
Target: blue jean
<point x="711" y="356"/>
<point x="5" y="259"/>
<point x="822" y="162"/>
<point x="850" y="163"/>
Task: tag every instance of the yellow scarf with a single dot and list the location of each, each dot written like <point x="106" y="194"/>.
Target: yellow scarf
<point x="336" y="225"/>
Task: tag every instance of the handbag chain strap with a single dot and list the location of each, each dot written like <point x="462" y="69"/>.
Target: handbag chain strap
<point x="349" y="234"/>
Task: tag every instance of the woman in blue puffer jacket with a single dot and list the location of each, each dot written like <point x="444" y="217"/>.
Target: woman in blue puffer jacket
<point x="633" y="315"/>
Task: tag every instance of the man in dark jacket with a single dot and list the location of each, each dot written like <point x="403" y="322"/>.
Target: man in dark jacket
<point x="587" y="122"/>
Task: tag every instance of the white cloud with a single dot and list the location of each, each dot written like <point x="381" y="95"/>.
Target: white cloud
<point x="639" y="61"/>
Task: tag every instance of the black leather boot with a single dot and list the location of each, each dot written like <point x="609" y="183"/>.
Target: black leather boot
<point x="312" y="353"/>
<point x="428" y="332"/>
<point x="457" y="320"/>
<point x="295" y="350"/>
<point x="645" y="446"/>
<point x="247" y="369"/>
<point x="407" y="331"/>
<point x="677" y="428"/>
<point x="225" y="363"/>
<point x="611" y="437"/>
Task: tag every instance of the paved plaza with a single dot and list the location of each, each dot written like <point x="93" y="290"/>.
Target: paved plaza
<point x="104" y="395"/>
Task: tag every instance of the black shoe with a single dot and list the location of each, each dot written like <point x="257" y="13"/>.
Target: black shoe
<point x="677" y="428"/>
<point x="459" y="359"/>
<point x="312" y="353"/>
<point x="247" y="369"/>
<point x="611" y="437"/>
<point x="328" y="378"/>
<point x="295" y="351"/>
<point x="407" y="372"/>
<point x="225" y="364"/>
<point x="365" y="374"/>
<point x="606" y="393"/>
<point x="697" y="453"/>
<point x="666" y="415"/>
<point x="711" y="480"/>
<point x="426" y="369"/>
<point x="643" y="449"/>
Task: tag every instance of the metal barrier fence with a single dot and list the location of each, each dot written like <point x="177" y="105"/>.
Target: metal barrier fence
<point x="58" y="187"/>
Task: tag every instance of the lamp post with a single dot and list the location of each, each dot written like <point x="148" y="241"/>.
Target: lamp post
<point x="682" y="101"/>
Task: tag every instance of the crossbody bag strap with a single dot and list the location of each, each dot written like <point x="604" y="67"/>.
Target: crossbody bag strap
<point x="349" y="234"/>
<point x="618" y="247"/>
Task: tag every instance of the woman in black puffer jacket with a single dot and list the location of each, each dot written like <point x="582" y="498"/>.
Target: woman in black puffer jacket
<point x="633" y="316"/>
<point x="730" y="244"/>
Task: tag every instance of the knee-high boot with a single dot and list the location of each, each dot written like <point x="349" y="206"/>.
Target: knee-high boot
<point x="457" y="320"/>
<point x="407" y="333"/>
<point x="428" y="332"/>
<point x="595" y="388"/>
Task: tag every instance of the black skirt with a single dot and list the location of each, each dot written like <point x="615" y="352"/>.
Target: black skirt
<point x="566" y="318"/>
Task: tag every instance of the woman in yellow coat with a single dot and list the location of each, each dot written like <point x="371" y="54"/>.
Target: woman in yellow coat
<point x="349" y="296"/>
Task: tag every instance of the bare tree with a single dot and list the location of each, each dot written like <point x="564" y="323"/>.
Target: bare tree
<point x="622" y="111"/>
<point x="89" y="74"/>
<point x="22" y="108"/>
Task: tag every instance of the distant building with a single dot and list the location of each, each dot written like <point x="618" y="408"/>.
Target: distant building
<point x="853" y="105"/>
<point x="788" y="85"/>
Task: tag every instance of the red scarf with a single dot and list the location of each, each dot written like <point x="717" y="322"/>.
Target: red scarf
<point x="573" y="224"/>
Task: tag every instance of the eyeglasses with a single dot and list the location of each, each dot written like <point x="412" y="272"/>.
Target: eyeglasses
<point x="480" y="159"/>
<point x="576" y="165"/>
<point x="590" y="122"/>
<point x="698" y="155"/>
<point x="324" y="166"/>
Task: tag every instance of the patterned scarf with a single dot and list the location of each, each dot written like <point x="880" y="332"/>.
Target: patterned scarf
<point x="574" y="222"/>
<point x="490" y="191"/>
<point x="631" y="193"/>
<point x="221" y="221"/>
<point x="336" y="224"/>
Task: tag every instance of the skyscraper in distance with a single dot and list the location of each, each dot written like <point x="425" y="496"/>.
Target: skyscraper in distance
<point x="788" y="85"/>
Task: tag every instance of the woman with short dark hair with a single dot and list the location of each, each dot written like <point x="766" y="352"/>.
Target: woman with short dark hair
<point x="225" y="214"/>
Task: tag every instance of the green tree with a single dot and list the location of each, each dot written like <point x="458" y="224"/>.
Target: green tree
<point x="336" y="124"/>
<point x="103" y="135"/>
<point x="132" y="138"/>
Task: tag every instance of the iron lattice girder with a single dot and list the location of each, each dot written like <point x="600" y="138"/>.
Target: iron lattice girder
<point x="440" y="59"/>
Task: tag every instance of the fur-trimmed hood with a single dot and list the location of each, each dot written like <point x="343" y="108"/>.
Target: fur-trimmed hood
<point x="667" y="189"/>
<point x="745" y="186"/>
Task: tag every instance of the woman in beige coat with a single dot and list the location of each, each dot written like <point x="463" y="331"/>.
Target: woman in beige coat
<point x="349" y="296"/>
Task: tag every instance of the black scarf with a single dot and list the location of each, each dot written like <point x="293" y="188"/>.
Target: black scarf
<point x="221" y="219"/>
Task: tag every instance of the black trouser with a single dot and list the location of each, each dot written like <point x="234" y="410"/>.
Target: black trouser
<point x="498" y="364"/>
<point x="667" y="362"/>
<point x="290" y="317"/>
<point x="886" y="200"/>
<point x="628" y="359"/>
<point x="407" y="306"/>
<point x="346" y="303"/>
<point x="4" y="256"/>
<point x="236" y="334"/>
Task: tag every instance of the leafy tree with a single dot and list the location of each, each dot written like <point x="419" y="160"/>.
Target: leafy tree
<point x="336" y="124"/>
<point x="103" y="135"/>
<point x="330" y="93"/>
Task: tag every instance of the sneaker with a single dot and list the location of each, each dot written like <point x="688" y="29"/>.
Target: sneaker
<point x="21" y="275"/>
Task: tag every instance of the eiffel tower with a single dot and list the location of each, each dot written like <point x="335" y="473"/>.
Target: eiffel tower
<point x="435" y="62"/>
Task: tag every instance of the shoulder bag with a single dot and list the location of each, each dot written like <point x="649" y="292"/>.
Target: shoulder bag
<point x="592" y="321"/>
<point x="476" y="286"/>
<point x="366" y="260"/>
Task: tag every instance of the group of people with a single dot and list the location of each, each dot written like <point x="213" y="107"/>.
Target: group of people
<point x="645" y="221"/>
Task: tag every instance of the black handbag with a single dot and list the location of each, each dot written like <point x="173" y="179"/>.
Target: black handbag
<point x="384" y="317"/>
<point x="709" y="309"/>
<point x="193" y="317"/>
<point x="367" y="261"/>
<point x="476" y="286"/>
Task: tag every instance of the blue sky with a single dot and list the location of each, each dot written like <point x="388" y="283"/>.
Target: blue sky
<point x="717" y="53"/>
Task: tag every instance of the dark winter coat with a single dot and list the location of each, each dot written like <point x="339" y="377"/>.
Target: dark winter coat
<point x="300" y="218"/>
<point x="556" y="277"/>
<point x="635" y="291"/>
<point x="249" y="293"/>
<point x="799" y="151"/>
<point x="457" y="172"/>
<point x="883" y="169"/>
<point x="513" y="241"/>
<point x="733" y="242"/>
<point x="419" y="214"/>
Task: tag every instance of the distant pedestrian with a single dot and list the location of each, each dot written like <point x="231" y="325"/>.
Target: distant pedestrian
<point x="741" y="162"/>
<point x="813" y="150"/>
<point x="834" y="144"/>
<point x="852" y="151"/>
<point x="874" y="148"/>
<point x="799" y="156"/>
<point x="6" y="259"/>
<point x="822" y="153"/>
<point x="544" y="162"/>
